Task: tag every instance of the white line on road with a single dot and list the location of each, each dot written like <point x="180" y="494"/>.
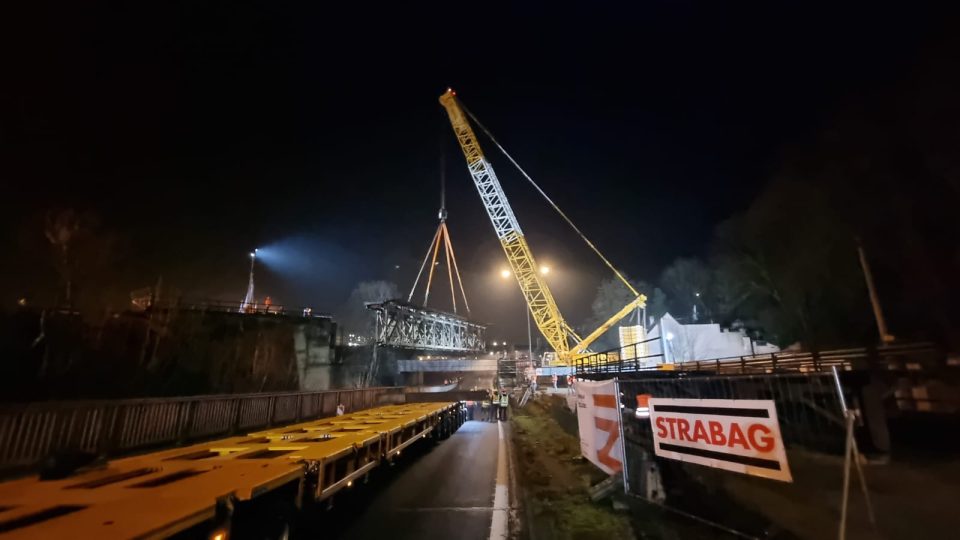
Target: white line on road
<point x="501" y="505"/>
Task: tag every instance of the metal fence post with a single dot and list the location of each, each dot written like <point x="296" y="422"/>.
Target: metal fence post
<point x="188" y="421"/>
<point x="237" y="416"/>
<point x="110" y="431"/>
<point x="271" y="410"/>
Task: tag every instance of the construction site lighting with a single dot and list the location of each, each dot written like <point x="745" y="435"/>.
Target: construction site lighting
<point x="504" y="273"/>
<point x="544" y="270"/>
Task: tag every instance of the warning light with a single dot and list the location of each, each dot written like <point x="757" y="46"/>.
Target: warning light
<point x="349" y="483"/>
<point x="643" y="406"/>
<point x="219" y="535"/>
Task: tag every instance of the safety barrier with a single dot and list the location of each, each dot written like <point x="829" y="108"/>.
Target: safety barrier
<point x="30" y="432"/>
<point x="811" y="422"/>
<point x="887" y="357"/>
<point x="825" y="418"/>
<point x="808" y="405"/>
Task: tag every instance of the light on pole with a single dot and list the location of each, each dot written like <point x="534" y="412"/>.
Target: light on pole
<point x="248" y="299"/>
<point x="544" y="270"/>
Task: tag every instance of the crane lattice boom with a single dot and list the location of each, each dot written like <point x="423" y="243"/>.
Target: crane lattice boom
<point x="543" y="307"/>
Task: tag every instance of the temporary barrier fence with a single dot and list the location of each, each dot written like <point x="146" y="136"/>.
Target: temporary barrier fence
<point x="813" y="425"/>
<point x="31" y="432"/>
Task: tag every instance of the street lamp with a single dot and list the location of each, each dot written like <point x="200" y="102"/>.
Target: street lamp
<point x="504" y="274"/>
<point x="248" y="299"/>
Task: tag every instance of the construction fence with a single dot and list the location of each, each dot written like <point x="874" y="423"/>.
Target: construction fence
<point x="811" y="412"/>
<point x="32" y="432"/>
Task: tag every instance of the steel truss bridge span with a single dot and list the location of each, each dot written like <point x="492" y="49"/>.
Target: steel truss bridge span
<point x="406" y="326"/>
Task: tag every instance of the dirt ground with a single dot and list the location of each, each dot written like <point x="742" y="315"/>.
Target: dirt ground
<point x="553" y="482"/>
<point x="911" y="500"/>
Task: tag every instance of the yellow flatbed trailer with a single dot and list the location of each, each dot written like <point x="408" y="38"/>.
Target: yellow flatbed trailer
<point x="162" y="493"/>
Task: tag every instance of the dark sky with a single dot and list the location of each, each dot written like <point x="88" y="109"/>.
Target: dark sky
<point x="199" y="130"/>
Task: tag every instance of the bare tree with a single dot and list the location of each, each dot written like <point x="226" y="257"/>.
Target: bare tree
<point x="80" y="251"/>
<point x="356" y="317"/>
<point x="61" y="229"/>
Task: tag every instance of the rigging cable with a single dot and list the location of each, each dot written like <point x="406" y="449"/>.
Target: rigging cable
<point x="442" y="235"/>
<point x="548" y="199"/>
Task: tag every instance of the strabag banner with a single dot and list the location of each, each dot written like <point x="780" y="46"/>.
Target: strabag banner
<point x="739" y="435"/>
<point x="598" y="416"/>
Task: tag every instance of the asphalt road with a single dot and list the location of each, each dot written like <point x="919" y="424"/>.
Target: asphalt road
<point x="443" y="492"/>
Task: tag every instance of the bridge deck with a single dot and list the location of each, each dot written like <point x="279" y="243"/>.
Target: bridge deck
<point x="161" y="493"/>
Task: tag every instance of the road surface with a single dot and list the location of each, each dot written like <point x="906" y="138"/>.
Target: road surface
<point x="446" y="491"/>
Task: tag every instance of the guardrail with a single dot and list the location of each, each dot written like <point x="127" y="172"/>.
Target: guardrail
<point x="32" y="431"/>
<point x="447" y="364"/>
<point x="906" y="357"/>
<point x="239" y="307"/>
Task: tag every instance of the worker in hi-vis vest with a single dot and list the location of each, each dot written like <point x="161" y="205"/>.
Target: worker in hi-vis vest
<point x="485" y="409"/>
<point x="504" y="403"/>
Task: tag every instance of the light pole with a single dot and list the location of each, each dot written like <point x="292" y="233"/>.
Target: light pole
<point x="505" y="274"/>
<point x="248" y="299"/>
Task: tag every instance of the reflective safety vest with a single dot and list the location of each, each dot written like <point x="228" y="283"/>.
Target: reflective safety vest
<point x="485" y="404"/>
<point x="505" y="400"/>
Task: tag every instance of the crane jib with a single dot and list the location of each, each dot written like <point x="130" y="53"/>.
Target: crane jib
<point x="543" y="307"/>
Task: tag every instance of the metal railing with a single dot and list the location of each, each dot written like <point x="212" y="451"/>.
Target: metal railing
<point x="250" y="309"/>
<point x="887" y="357"/>
<point x="30" y="432"/>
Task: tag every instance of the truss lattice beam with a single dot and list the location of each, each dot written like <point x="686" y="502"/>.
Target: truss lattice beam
<point x="403" y="325"/>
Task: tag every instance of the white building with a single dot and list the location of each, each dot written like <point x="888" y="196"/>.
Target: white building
<point x="689" y="342"/>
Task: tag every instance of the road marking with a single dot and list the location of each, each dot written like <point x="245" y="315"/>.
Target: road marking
<point x="501" y="505"/>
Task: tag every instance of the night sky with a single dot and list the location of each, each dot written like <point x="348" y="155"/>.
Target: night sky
<point x="197" y="131"/>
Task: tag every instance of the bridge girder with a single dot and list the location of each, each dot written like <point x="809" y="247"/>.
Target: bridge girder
<point x="406" y="326"/>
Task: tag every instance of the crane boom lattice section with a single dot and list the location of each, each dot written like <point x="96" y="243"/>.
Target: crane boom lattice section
<point x="543" y="307"/>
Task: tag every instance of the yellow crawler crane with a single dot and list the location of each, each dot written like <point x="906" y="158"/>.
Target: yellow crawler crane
<point x="567" y="344"/>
